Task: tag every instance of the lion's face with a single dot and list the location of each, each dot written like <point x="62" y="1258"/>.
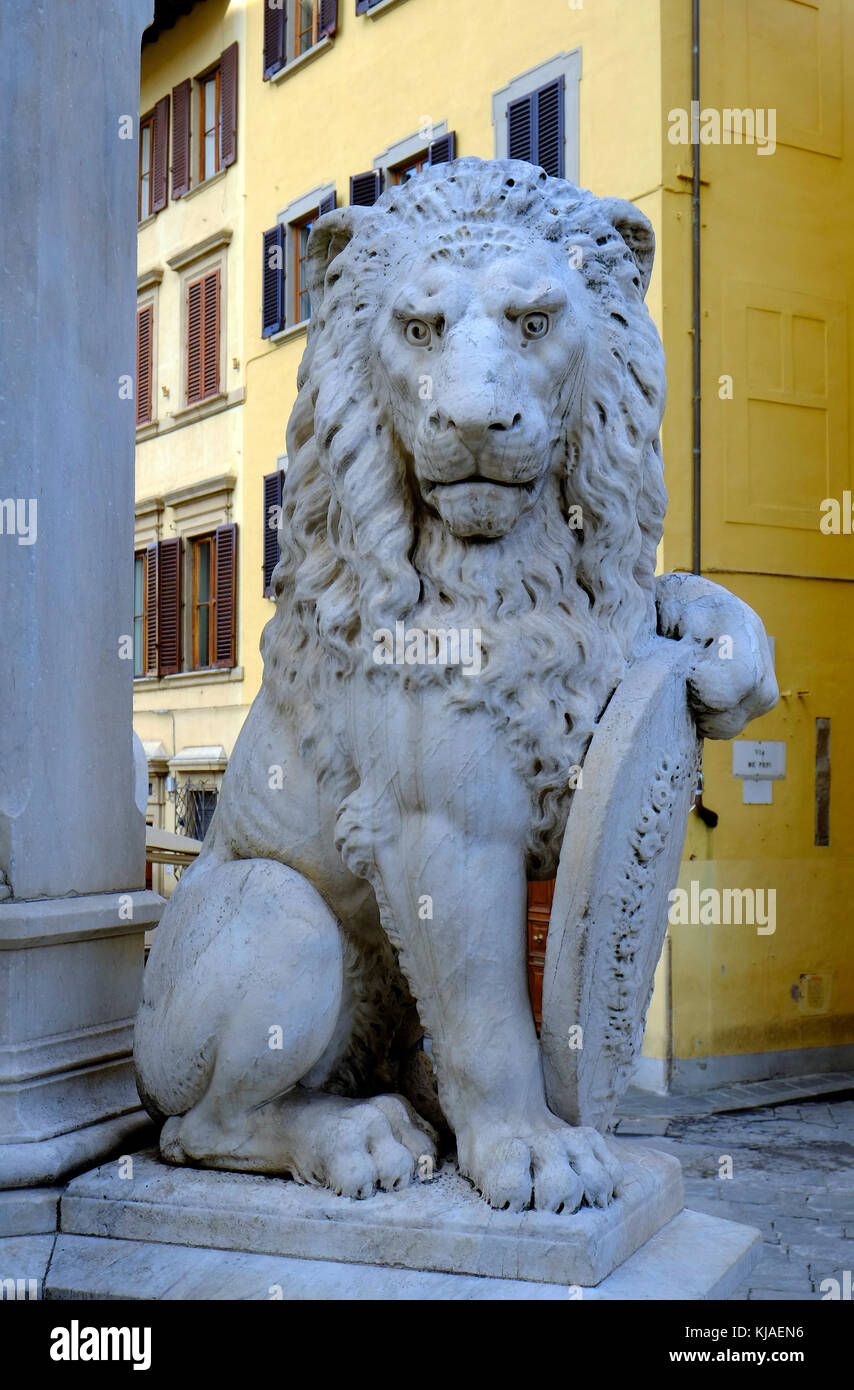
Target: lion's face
<point x="482" y="356"/>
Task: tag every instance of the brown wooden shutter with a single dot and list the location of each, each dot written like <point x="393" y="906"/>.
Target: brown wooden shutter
<point x="327" y="18"/>
<point x="275" y="28"/>
<point x="272" y="502"/>
<point x="181" y="139"/>
<point x="228" y="106"/>
<point x="151" y="610"/>
<point x="144" y="362"/>
<point x="225" y="587"/>
<point x="194" y="340"/>
<point x="443" y="150"/>
<point x="203" y="337"/>
<point x="169" y="607"/>
<point x="210" y="325"/>
<point x="326" y="204"/>
<point x="160" y="155"/>
<point x="365" y="188"/>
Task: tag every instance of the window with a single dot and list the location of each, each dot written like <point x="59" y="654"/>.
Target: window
<point x="144" y="364"/>
<point x="146" y="145"/>
<point x="285" y="294"/>
<point x="402" y="160"/>
<point x="213" y="598"/>
<point x="203" y="336"/>
<point x="180" y="585"/>
<point x="536" y="116"/>
<point x="195" y="804"/>
<point x="203" y="582"/>
<point x="209" y="119"/>
<point x="302" y="301"/>
<point x="209" y="125"/>
<point x="140" y="613"/>
<point x="153" y="160"/>
<point x="535" y="128"/>
<point x="306" y="31"/>
<point x="200" y="806"/>
<point x="404" y="172"/>
<point x="294" y="27"/>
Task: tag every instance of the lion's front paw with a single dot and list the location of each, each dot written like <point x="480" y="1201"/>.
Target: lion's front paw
<point x="731" y="677"/>
<point x="554" y="1167"/>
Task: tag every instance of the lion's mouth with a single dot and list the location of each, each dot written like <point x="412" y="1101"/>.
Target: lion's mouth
<point x="478" y="480"/>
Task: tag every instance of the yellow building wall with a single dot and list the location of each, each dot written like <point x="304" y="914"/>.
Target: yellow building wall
<point x="208" y="709"/>
<point x="777" y="275"/>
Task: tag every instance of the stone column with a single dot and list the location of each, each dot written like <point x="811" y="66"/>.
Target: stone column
<point x="74" y="907"/>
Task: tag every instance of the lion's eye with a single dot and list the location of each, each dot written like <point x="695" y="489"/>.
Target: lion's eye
<point x="535" y="325"/>
<point x="418" y="332"/>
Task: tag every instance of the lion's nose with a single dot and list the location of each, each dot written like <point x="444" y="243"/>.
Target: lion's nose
<point x="473" y="431"/>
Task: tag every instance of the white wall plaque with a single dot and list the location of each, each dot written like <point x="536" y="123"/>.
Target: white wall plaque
<point x="759" y="759"/>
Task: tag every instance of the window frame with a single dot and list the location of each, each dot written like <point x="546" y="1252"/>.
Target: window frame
<point x="298" y="264"/>
<point x="141" y="554"/>
<point x="145" y="123"/>
<point x="213" y="73"/>
<point x="567" y="65"/>
<point x="291" y="58"/>
<point x="421" y="159"/>
<point x="293" y="34"/>
<point x="206" y="538"/>
<point x="295" y="215"/>
<point x="405" y="151"/>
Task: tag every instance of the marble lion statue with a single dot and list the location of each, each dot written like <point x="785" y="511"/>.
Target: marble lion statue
<point x="474" y="449"/>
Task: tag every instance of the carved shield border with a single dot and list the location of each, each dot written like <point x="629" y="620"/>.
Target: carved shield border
<point x="619" y="861"/>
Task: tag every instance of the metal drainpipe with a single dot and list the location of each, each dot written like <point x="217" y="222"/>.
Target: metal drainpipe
<point x="695" y="237"/>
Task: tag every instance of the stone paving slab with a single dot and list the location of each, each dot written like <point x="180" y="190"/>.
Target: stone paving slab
<point x="23" y="1265"/>
<point x="745" y="1095"/>
<point x="793" y="1178"/>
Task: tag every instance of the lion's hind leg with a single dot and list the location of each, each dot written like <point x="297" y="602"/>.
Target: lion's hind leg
<point x="244" y="998"/>
<point x="243" y="994"/>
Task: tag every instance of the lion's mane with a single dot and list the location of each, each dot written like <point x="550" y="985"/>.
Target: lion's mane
<point x="561" y="609"/>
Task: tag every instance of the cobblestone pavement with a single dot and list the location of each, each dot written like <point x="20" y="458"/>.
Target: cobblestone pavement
<point x="792" y="1177"/>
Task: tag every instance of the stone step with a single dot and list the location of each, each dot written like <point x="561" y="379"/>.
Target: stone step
<point x="693" y="1257"/>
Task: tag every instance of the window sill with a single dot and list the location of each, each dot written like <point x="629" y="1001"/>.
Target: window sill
<point x="146" y="221"/>
<point x="208" y="183"/>
<point x="217" y="675"/>
<point x="191" y="414"/>
<point x="376" y="10"/>
<point x="304" y="59"/>
<point x="286" y="335"/>
<point x="199" y="407"/>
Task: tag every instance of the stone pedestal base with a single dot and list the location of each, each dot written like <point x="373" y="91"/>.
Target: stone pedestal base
<point x="440" y="1225"/>
<point x="162" y="1232"/>
<point x="70" y="981"/>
